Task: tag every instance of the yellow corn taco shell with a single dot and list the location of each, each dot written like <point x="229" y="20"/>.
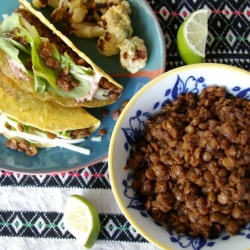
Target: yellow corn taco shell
<point x="46" y="116"/>
<point x="28" y="83"/>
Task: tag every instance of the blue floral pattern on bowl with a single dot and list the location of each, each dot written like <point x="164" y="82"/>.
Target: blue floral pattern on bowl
<point x="135" y="130"/>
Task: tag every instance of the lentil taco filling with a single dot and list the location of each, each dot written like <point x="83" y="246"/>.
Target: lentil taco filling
<point x="47" y="64"/>
<point x="192" y="165"/>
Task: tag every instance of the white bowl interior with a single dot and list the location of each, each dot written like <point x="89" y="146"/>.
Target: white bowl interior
<point x="148" y="101"/>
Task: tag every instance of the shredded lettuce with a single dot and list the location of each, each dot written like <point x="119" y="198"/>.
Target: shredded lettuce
<point x="43" y="75"/>
<point x="41" y="85"/>
<point x="64" y="134"/>
<point x="15" y="54"/>
<point x="16" y="21"/>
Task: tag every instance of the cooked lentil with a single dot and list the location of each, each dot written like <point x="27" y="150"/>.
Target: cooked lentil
<point x="116" y="114"/>
<point x="192" y="166"/>
<point x="103" y="131"/>
<point x="13" y="144"/>
<point x="78" y="133"/>
<point x="104" y="112"/>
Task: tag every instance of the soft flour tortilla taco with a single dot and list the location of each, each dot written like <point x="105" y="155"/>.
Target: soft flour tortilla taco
<point x="44" y="62"/>
<point x="22" y="114"/>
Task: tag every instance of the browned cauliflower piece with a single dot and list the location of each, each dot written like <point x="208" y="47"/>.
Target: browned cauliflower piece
<point x="107" y="44"/>
<point x="58" y="13"/>
<point x="42" y="3"/>
<point x="109" y="3"/>
<point x="74" y="10"/>
<point x="117" y="25"/>
<point x="86" y="30"/>
<point x="77" y="11"/>
<point x="133" y="54"/>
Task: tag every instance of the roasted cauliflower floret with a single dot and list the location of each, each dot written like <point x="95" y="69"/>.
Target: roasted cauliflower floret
<point x="109" y="2"/>
<point x="107" y="45"/>
<point x="104" y="5"/>
<point x="39" y="3"/>
<point x="133" y="54"/>
<point x="117" y="25"/>
<point x="86" y="30"/>
<point x="77" y="11"/>
<point x="114" y="2"/>
<point x="101" y="1"/>
<point x="58" y="13"/>
<point x="127" y="6"/>
<point x="117" y="21"/>
<point x="74" y="10"/>
<point x="42" y="3"/>
<point x="53" y="3"/>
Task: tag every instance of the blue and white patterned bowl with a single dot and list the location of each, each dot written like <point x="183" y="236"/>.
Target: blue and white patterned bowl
<point x="147" y="102"/>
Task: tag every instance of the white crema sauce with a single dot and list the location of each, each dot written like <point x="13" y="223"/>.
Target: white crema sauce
<point x="16" y="69"/>
<point x="94" y="86"/>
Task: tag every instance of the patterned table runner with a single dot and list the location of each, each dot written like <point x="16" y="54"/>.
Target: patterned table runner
<point x="31" y="207"/>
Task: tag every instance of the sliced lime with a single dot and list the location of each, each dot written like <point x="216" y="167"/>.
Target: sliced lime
<point x="192" y="37"/>
<point x="82" y="220"/>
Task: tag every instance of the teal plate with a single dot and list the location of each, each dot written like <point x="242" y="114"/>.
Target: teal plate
<point x="56" y="160"/>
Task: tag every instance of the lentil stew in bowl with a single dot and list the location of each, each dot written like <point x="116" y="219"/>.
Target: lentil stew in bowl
<point x="179" y="159"/>
<point x="191" y="165"/>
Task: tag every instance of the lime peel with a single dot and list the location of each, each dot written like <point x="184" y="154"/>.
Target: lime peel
<point x="192" y="37"/>
<point x="81" y="219"/>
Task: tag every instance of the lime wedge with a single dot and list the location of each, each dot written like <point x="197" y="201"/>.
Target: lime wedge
<point x="81" y="219"/>
<point x="192" y="37"/>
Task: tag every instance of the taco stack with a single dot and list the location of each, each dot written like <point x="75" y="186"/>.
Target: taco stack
<point x="20" y="111"/>
<point x="45" y="63"/>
